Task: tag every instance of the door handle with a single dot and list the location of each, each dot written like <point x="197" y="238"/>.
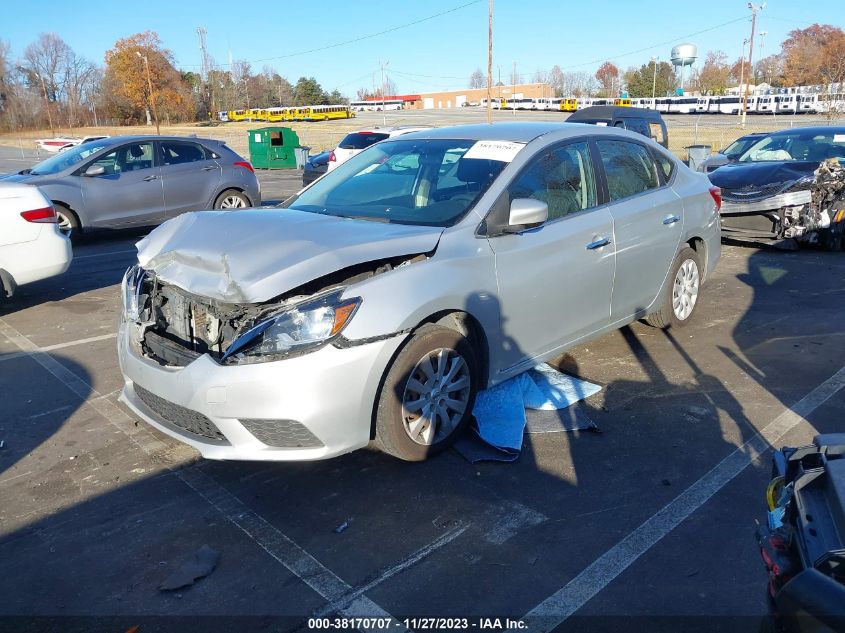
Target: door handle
<point x="602" y="241"/>
<point x="671" y="219"/>
<point x="149" y="178"/>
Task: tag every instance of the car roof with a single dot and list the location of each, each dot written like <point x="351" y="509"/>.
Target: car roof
<point x="117" y="140"/>
<point x="517" y="131"/>
<point x="607" y="113"/>
<point x="815" y="129"/>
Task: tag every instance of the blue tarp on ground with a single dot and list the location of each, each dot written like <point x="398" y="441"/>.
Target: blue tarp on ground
<point x="500" y="413"/>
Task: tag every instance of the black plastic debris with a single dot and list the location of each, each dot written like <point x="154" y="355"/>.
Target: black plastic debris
<point x="200" y="565"/>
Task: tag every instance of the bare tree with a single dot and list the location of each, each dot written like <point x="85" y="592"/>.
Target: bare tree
<point x="580" y="84"/>
<point x="477" y="79"/>
<point x="557" y="80"/>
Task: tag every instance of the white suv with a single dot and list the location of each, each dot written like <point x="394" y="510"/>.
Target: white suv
<point x="355" y="142"/>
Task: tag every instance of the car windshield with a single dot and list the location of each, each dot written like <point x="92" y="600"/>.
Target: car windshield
<point x="739" y="146"/>
<point x="423" y="182"/>
<point x="66" y="159"/>
<point x="805" y="145"/>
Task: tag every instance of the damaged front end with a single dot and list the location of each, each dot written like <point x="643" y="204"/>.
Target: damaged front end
<point x="173" y="327"/>
<point x="807" y="210"/>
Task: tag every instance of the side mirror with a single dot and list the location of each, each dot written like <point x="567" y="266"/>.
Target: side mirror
<point x="526" y="213"/>
<point x="95" y="170"/>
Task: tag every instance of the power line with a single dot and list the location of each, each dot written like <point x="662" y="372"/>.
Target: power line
<point x="361" y="38"/>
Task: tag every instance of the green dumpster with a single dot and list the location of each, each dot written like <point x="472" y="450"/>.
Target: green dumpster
<point x="273" y="147"/>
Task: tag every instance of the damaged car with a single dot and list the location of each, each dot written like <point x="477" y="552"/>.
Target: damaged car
<point x="374" y="304"/>
<point x="786" y="189"/>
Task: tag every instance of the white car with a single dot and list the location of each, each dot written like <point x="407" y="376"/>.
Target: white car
<point x="61" y="143"/>
<point x="355" y="142"/>
<point x="31" y="246"/>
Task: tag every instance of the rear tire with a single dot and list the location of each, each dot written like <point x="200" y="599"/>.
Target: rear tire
<point x="68" y="222"/>
<point x="680" y="297"/>
<point x="231" y="199"/>
<point x="427" y="396"/>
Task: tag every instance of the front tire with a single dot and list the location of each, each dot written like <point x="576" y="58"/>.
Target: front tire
<point x="681" y="294"/>
<point x="231" y="199"/>
<point x="427" y="396"/>
<point x="68" y="222"/>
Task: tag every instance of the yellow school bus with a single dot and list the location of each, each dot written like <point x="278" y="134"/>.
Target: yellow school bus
<point x="568" y="105"/>
<point x="236" y="115"/>
<point x="325" y="112"/>
<point x="622" y="102"/>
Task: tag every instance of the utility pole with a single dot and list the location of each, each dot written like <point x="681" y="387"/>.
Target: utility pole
<point x="47" y="104"/>
<point x="150" y="87"/>
<point x="383" y="97"/>
<point x="205" y="71"/>
<point x="755" y="9"/>
<point x="654" y="61"/>
<point x="490" y="63"/>
<point x="741" y="111"/>
<point x="513" y="89"/>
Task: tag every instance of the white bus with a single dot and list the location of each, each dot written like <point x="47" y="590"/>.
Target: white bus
<point x="766" y="104"/>
<point x="702" y="105"/>
<point x="377" y="105"/>
<point x="786" y="104"/>
<point x="808" y="104"/>
<point x="682" y="105"/>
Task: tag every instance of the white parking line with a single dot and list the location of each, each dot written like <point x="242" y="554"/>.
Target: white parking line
<point x="299" y="562"/>
<point x="555" y="609"/>
<point x="51" y="348"/>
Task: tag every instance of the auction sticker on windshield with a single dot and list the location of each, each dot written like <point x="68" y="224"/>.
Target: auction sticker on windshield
<point x="494" y="150"/>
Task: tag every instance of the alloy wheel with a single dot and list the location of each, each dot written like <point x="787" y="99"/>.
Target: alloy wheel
<point x="685" y="290"/>
<point x="65" y="225"/>
<point x="436" y="396"/>
<point x="232" y="202"/>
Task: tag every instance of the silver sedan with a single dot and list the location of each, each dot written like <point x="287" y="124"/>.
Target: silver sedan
<point x="377" y="303"/>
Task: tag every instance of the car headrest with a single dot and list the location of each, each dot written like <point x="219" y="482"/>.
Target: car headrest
<point x="136" y="151"/>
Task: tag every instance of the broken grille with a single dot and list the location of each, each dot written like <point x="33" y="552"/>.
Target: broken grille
<point x="182" y="417"/>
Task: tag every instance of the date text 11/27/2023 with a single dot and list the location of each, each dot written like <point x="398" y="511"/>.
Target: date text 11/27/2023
<point x="418" y="624"/>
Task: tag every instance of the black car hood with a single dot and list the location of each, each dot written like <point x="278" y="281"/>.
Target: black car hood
<point x="765" y="173"/>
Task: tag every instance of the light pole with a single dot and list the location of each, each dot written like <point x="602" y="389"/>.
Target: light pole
<point x="654" y="61"/>
<point x="150" y="87"/>
<point x="383" y="97"/>
<point x="741" y="80"/>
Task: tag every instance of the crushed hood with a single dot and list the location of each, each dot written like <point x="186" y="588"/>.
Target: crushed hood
<point x="255" y="255"/>
<point x="738" y="175"/>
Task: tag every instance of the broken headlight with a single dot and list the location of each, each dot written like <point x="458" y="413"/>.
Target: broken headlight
<point x="300" y="328"/>
<point x="130" y="291"/>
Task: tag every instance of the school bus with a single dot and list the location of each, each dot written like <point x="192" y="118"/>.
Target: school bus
<point x="568" y="105"/>
<point x="622" y="102"/>
<point x="236" y="115"/>
<point x="325" y="112"/>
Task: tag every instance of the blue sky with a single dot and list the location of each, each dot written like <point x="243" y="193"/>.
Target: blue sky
<point x="435" y="54"/>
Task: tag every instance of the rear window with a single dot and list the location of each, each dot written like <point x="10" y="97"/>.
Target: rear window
<point x="361" y="140"/>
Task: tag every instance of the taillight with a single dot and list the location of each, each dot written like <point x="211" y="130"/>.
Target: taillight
<point x="716" y="192"/>
<point x="47" y="215"/>
<point x="245" y="165"/>
<point x="332" y="158"/>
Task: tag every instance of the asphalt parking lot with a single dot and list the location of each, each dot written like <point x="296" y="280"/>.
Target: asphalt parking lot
<point x="651" y="520"/>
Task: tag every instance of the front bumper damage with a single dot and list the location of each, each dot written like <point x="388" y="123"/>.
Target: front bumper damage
<point x="803" y="213"/>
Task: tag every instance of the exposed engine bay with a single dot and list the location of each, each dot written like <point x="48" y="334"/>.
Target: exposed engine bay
<point x="175" y="327"/>
<point x="810" y="211"/>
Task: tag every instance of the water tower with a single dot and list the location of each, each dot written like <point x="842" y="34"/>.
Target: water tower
<point x="683" y="55"/>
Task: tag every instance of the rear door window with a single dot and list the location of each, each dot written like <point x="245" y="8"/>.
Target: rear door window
<point x="361" y="140"/>
<point x="178" y="152"/>
<point x="629" y="168"/>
